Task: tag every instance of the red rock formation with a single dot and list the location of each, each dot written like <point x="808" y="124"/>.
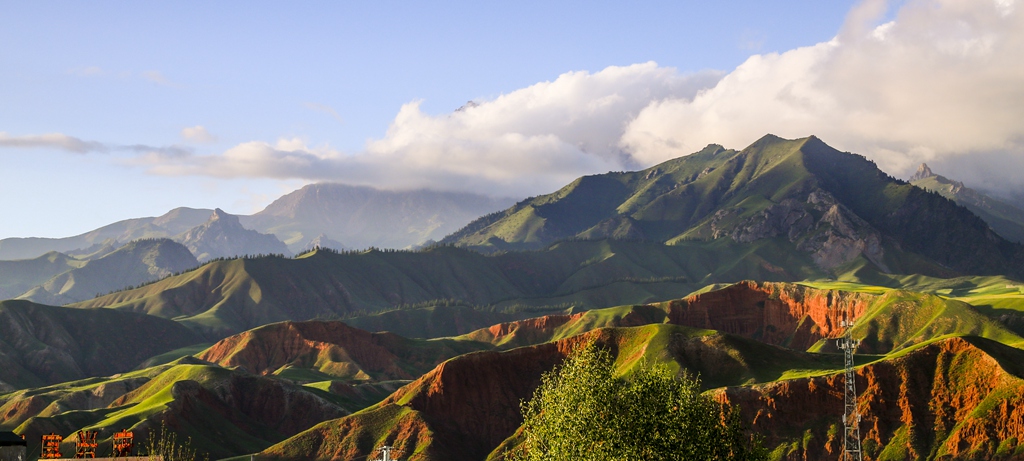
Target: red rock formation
<point x="951" y="399"/>
<point x="782" y="314"/>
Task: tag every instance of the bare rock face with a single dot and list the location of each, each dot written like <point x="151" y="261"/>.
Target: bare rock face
<point x="835" y="238"/>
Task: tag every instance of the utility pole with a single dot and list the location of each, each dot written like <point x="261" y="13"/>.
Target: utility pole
<point x="385" y="453"/>
<point x="851" y="417"/>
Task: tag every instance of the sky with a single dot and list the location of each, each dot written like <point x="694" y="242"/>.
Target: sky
<point x="111" y="111"/>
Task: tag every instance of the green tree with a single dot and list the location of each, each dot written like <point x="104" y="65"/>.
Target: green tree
<point x="581" y="412"/>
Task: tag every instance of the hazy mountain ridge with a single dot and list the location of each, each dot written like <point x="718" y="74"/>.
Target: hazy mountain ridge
<point x="58" y="279"/>
<point x="167" y="225"/>
<point x="1005" y="219"/>
<point x="362" y="217"/>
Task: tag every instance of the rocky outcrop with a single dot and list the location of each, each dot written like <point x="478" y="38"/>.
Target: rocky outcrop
<point x="922" y="172"/>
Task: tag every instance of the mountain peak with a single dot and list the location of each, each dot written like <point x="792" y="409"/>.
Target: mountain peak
<point x="922" y="172"/>
<point x="219" y="214"/>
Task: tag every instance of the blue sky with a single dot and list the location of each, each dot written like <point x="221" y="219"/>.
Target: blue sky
<point x="116" y="110"/>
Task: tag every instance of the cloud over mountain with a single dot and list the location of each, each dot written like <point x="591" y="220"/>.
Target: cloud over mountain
<point x="940" y="82"/>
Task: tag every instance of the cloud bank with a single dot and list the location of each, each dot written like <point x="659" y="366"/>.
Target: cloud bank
<point x="942" y="82"/>
<point x="533" y="140"/>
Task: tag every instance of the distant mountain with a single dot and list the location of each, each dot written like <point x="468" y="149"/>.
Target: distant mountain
<point x="168" y="225"/>
<point x="361" y="217"/>
<point x="836" y="207"/>
<point x="135" y="263"/>
<point x="322" y="241"/>
<point x="1005" y="219"/>
<point x="222" y="236"/>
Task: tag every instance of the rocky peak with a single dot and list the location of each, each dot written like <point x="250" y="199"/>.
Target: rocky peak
<point x="922" y="172"/>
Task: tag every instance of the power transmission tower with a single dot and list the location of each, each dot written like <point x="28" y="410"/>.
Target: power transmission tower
<point x="851" y="417"/>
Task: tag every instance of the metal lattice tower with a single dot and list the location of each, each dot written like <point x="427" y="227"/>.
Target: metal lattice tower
<point x="851" y="417"/>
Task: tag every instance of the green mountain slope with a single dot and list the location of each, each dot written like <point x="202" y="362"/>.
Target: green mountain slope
<point x="227" y="297"/>
<point x="41" y="345"/>
<point x="1005" y="219"/>
<point x="834" y="206"/>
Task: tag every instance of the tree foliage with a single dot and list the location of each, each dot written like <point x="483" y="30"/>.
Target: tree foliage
<point x="582" y="412"/>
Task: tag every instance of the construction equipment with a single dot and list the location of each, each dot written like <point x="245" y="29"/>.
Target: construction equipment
<point x="123" y="442"/>
<point x="51" y="446"/>
<point x="86" y="445"/>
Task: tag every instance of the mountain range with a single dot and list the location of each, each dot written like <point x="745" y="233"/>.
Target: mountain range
<point x="736" y="265"/>
<point x="325" y="215"/>
<point x="837" y="207"/>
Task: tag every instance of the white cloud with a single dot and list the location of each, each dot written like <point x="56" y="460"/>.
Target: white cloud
<point x="530" y="141"/>
<point x="943" y="83"/>
<point x="52" y="141"/>
<point x="198" y="134"/>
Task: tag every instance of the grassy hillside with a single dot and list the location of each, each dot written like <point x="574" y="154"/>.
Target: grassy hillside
<point x="223" y="412"/>
<point x="41" y="345"/>
<point x="741" y="336"/>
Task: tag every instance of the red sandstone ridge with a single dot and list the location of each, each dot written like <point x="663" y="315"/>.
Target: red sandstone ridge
<point x="948" y="400"/>
<point x="332" y="348"/>
<point x="783" y="314"/>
